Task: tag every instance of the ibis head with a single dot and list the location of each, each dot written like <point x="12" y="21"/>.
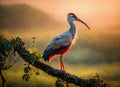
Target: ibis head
<point x="72" y="17"/>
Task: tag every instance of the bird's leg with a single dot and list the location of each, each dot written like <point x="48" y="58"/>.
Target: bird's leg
<point x="61" y="63"/>
<point x="62" y="69"/>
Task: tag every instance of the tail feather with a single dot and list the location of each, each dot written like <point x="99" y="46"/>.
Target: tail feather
<point x="48" y="55"/>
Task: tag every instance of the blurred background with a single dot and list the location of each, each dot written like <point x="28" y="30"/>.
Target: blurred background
<point x="95" y="51"/>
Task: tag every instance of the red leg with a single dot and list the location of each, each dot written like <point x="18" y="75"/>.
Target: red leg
<point x="61" y="63"/>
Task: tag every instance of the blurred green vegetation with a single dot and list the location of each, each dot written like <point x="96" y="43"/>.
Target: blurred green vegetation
<point x="44" y="80"/>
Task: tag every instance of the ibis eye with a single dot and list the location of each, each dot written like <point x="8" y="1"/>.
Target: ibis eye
<point x="74" y="16"/>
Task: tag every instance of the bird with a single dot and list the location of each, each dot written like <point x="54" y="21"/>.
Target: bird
<point x="63" y="42"/>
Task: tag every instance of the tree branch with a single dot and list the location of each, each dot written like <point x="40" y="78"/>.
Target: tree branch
<point x="51" y="71"/>
<point x="16" y="44"/>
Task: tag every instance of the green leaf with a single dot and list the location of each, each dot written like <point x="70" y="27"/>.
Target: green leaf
<point x="59" y="83"/>
<point x="98" y="81"/>
<point x="27" y="69"/>
<point x="37" y="73"/>
<point x="26" y="77"/>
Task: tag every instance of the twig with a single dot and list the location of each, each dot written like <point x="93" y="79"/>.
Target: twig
<point x="3" y="79"/>
<point x="9" y="66"/>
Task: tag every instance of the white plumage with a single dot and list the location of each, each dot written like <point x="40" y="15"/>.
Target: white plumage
<point x="63" y="39"/>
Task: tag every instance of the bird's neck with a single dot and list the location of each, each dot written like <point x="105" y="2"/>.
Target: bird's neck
<point x="72" y="29"/>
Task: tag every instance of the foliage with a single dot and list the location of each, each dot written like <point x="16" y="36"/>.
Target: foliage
<point x="59" y="83"/>
<point x="28" y="69"/>
<point x="99" y="82"/>
<point x="33" y="51"/>
<point x="96" y="80"/>
<point x="5" y="48"/>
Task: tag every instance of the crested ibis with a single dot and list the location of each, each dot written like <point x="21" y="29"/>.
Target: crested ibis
<point x="62" y="43"/>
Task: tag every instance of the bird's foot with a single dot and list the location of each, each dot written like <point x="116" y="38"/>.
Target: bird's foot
<point x="63" y="71"/>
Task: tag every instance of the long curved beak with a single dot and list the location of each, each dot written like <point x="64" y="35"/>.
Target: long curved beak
<point x="83" y="23"/>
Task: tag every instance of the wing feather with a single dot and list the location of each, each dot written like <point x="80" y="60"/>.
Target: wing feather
<point x="60" y="40"/>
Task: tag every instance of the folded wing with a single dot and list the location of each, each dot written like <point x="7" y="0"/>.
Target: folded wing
<point x="59" y="45"/>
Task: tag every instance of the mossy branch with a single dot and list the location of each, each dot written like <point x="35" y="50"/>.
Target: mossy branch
<point x="48" y="69"/>
<point x="18" y="45"/>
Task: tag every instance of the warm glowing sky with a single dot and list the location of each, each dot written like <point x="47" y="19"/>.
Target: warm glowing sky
<point x="96" y="12"/>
